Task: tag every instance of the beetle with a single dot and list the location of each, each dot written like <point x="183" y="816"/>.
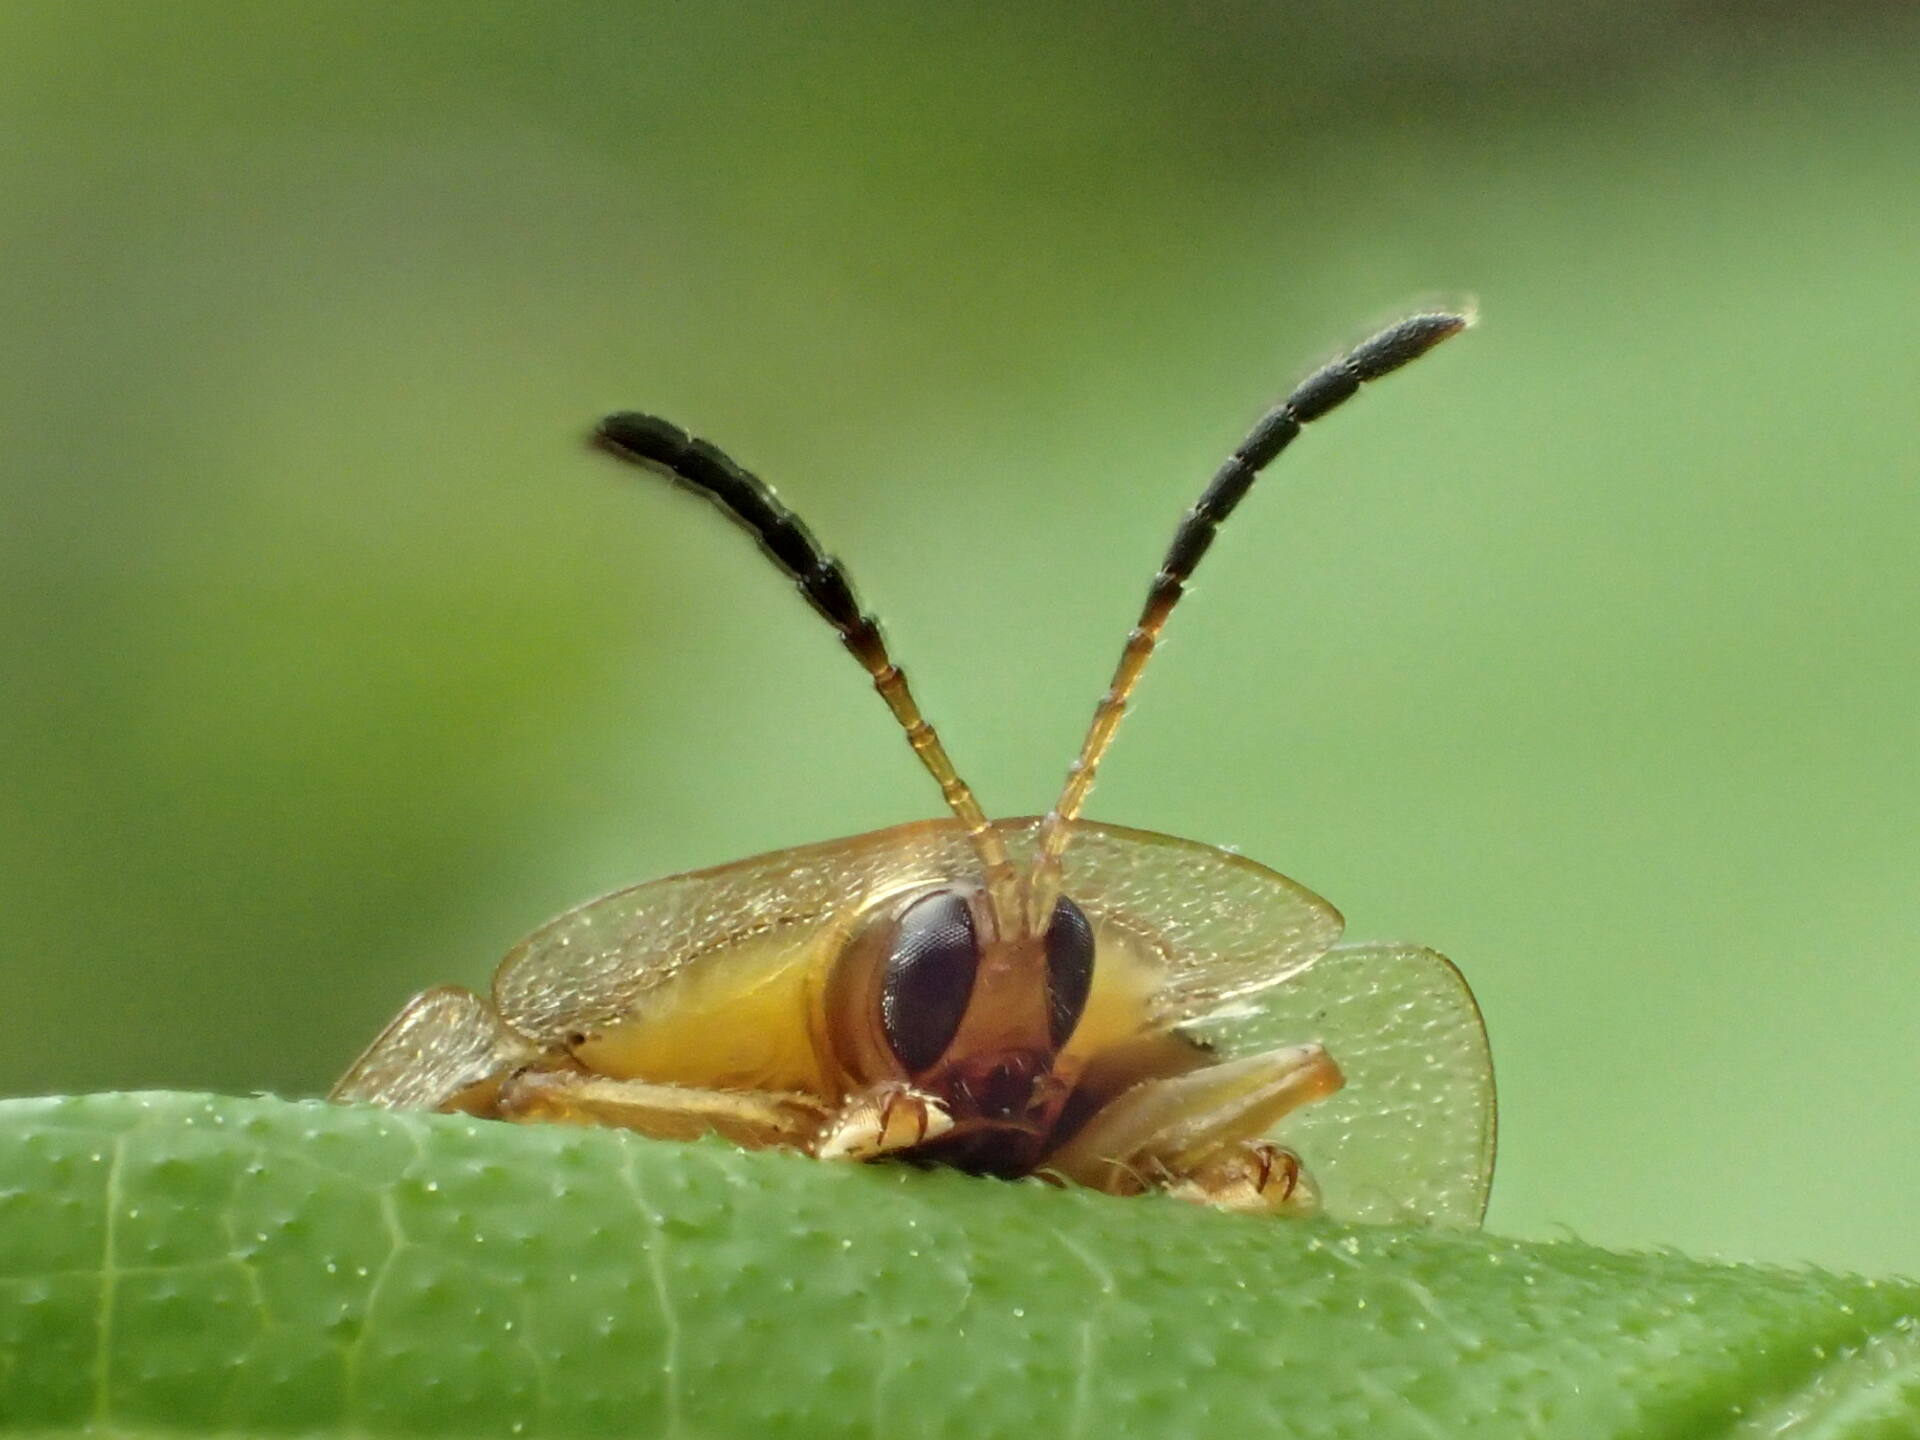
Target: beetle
<point x="1048" y="996"/>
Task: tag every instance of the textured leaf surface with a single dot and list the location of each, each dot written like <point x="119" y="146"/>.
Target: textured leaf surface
<point x="186" y="1265"/>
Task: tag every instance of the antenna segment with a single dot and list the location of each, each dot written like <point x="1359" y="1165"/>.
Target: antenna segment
<point x="656" y="445"/>
<point x="1320" y="392"/>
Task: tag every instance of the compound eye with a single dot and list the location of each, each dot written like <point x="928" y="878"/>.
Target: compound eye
<point x="928" y="978"/>
<point x="1069" y="968"/>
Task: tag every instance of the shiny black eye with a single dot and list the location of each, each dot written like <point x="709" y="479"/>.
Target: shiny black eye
<point x="928" y="978"/>
<point x="1069" y="968"/>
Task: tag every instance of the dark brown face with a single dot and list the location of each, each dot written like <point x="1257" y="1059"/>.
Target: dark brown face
<point x="973" y="1019"/>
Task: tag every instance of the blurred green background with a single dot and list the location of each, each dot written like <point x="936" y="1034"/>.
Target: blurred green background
<point x="1582" y="651"/>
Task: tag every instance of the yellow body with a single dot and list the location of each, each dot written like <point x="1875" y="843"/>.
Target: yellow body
<point x="718" y="985"/>
<point x="744" y="1020"/>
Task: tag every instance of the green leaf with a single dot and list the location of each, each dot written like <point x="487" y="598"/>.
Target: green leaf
<point x="176" y="1265"/>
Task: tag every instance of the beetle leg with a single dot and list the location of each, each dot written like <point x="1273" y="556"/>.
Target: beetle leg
<point x="757" y="1119"/>
<point x="881" y="1121"/>
<point x="1197" y="1134"/>
<point x="1254" y="1177"/>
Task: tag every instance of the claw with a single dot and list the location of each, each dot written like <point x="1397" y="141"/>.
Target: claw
<point x="1256" y="1177"/>
<point x="883" y="1121"/>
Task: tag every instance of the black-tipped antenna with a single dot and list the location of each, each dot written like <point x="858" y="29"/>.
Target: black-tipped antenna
<point x="1312" y="398"/>
<point x="654" y="444"/>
